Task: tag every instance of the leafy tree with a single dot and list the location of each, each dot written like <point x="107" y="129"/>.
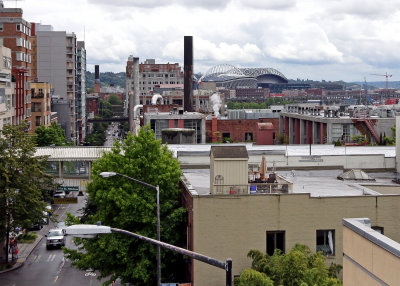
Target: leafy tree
<point x="114" y="100"/>
<point x="250" y="277"/>
<point x="52" y="135"/>
<point x="122" y="203"/>
<point x="105" y="110"/>
<point x="298" y="267"/>
<point x="23" y="183"/>
<point x="98" y="136"/>
<point x="390" y="140"/>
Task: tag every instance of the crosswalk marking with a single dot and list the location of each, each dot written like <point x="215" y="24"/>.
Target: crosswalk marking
<point x="51" y="257"/>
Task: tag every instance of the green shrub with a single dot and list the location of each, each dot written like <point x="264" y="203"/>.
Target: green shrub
<point x="28" y="237"/>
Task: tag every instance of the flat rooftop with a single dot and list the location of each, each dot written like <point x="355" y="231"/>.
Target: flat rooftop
<point x="318" y="183"/>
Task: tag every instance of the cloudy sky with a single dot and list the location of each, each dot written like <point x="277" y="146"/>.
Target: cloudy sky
<point x="307" y="39"/>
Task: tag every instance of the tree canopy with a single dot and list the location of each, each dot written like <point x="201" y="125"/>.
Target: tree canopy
<point x="24" y="186"/>
<point x="52" y="135"/>
<point x="121" y="203"/>
<point x="298" y="267"/>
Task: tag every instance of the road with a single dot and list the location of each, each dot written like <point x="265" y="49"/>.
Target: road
<point x="49" y="267"/>
<point x="112" y="134"/>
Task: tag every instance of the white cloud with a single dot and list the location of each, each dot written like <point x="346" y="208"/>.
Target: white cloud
<point x="341" y="39"/>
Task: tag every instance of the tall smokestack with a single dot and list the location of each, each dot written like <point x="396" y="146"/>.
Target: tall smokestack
<point x="188" y="74"/>
<point x="96" y="79"/>
<point x="133" y="99"/>
<point x="96" y="74"/>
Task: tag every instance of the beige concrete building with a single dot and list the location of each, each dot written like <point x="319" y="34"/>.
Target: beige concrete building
<point x="369" y="257"/>
<point x="228" y="225"/>
<point x="41" y="105"/>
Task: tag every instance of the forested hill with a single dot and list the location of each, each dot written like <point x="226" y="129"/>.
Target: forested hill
<point x="106" y="78"/>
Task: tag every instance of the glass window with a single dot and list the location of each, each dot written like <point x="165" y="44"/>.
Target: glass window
<point x="19" y="27"/>
<point x="326" y="241"/>
<point x="1" y="27"/>
<point x="275" y="240"/>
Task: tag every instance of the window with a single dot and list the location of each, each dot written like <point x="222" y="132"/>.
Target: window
<point x="20" y="56"/>
<point x="378" y="229"/>
<point x="38" y="120"/>
<point x="275" y="240"/>
<point x="19" y="27"/>
<point x="19" y="42"/>
<point x="326" y="241"/>
<point x="248" y="137"/>
<point x="6" y="63"/>
<point x="1" y="27"/>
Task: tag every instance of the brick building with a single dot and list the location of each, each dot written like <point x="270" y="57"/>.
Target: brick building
<point x="239" y="130"/>
<point x="15" y="34"/>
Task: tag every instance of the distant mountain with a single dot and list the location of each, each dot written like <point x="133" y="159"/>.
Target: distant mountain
<point x="380" y="84"/>
<point x="106" y="79"/>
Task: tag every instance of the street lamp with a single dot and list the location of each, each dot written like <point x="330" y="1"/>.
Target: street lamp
<point x="90" y="230"/>
<point x="157" y="188"/>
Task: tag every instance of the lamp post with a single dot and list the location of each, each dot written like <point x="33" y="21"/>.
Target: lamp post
<point x="89" y="230"/>
<point x="157" y="188"/>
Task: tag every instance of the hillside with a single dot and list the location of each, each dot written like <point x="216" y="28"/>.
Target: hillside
<point x="106" y="79"/>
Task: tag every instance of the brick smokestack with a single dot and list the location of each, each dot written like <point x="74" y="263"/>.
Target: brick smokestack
<point x="96" y="79"/>
<point x="188" y="73"/>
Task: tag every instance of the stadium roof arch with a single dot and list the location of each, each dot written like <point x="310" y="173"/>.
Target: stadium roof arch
<point x="231" y="77"/>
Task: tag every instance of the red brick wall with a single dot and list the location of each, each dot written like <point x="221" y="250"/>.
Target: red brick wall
<point x="237" y="129"/>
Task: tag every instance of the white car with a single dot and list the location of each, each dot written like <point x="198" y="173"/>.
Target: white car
<point x="55" y="238"/>
<point x="59" y="194"/>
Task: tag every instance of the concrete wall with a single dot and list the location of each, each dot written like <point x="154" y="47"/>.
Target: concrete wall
<point x="280" y="161"/>
<point x="229" y="226"/>
<point x="369" y="257"/>
<point x="51" y="60"/>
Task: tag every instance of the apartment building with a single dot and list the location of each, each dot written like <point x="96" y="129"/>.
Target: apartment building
<point x="41" y="105"/>
<point x="152" y="75"/>
<point x="57" y="64"/>
<point x="6" y="88"/>
<point x="81" y="91"/>
<point x="15" y="34"/>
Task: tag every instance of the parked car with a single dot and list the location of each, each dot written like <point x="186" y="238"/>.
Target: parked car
<point x="39" y="224"/>
<point x="55" y="238"/>
<point x="59" y="194"/>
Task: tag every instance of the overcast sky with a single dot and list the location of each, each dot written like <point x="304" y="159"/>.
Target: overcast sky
<point x="307" y="39"/>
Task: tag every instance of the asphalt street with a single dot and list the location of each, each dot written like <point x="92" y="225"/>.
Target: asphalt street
<point x="49" y="267"/>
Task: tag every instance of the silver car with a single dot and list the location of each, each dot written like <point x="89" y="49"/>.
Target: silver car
<point x="55" y="238"/>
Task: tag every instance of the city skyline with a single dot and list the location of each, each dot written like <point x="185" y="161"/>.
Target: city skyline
<point x="343" y="40"/>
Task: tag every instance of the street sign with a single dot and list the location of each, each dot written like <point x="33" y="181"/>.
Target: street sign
<point x="69" y="188"/>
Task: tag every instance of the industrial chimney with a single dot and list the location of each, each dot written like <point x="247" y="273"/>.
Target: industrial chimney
<point x="188" y="74"/>
<point x="96" y="79"/>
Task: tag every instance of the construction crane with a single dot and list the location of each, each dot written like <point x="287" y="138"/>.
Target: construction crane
<point x="385" y="75"/>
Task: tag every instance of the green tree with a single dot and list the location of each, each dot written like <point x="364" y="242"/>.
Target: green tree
<point x="298" y="267"/>
<point x="121" y="203"/>
<point x="114" y="100"/>
<point x="250" y="277"/>
<point x="52" y="135"/>
<point x="24" y="186"/>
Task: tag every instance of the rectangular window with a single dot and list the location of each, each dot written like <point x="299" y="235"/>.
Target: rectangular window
<point x="326" y="241"/>
<point x="275" y="240"/>
<point x="248" y="137"/>
<point x="1" y="27"/>
<point x="19" y="27"/>
<point x="19" y="42"/>
<point x="20" y="56"/>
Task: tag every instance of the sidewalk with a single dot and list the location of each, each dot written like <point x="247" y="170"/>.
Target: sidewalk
<point x="24" y="250"/>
